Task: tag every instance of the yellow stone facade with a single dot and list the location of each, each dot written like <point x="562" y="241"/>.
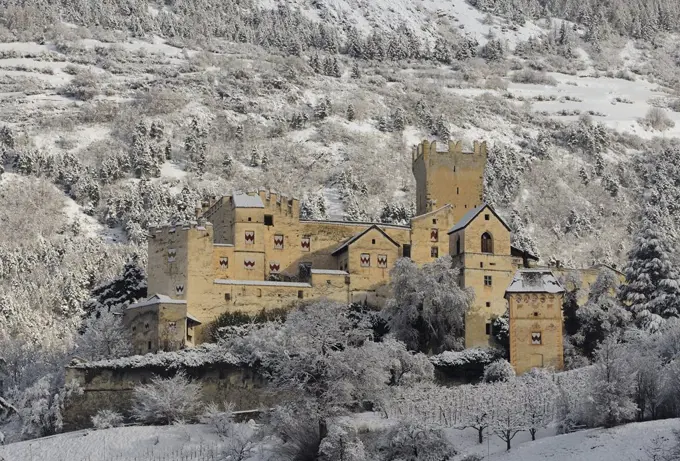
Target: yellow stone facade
<point x="535" y="314"/>
<point x="251" y="251"/>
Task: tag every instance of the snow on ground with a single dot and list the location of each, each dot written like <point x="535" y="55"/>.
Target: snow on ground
<point x="336" y="209"/>
<point x="420" y="16"/>
<point x="79" y="138"/>
<point x="90" y="226"/>
<point x="172" y="170"/>
<point x="120" y="444"/>
<point x="155" y="45"/>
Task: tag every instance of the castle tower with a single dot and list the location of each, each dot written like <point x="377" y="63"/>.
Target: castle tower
<point x="535" y="307"/>
<point x="445" y="174"/>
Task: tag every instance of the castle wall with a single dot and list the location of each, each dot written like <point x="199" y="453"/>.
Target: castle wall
<point x="113" y="389"/>
<point x="429" y="231"/>
<point x="532" y="313"/>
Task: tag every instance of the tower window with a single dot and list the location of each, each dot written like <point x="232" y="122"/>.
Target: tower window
<point x="457" y="190"/>
<point x="407" y="250"/>
<point x="487" y="243"/>
<point x="481" y="265"/>
<point x="373" y="241"/>
<point x="487" y="280"/>
<point x="458" y="245"/>
<point x="488" y="304"/>
<point x="300" y="294"/>
<point x="488" y="328"/>
<point x="434" y="252"/>
<point x="486" y="217"/>
<point x="149" y="345"/>
<point x="249" y="219"/>
<point x="227" y="296"/>
<point x="268" y="220"/>
<point x="434" y="221"/>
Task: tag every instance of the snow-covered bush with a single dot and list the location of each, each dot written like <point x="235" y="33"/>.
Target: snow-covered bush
<point x="500" y="370"/>
<point x="657" y="119"/>
<point x="342" y="443"/>
<point x="299" y="429"/>
<point x="532" y="77"/>
<point x="221" y="420"/>
<point x="165" y="401"/>
<point x="415" y="441"/>
<point x="106" y="419"/>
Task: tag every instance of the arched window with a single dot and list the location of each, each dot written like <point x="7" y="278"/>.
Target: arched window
<point x="487" y="243"/>
<point x="458" y="245"/>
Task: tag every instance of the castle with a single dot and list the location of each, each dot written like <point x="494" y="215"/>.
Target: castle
<point x="250" y="251"/>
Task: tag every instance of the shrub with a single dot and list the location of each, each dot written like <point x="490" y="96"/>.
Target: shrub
<point x="299" y="430"/>
<point x="164" y="401"/>
<point x="674" y="105"/>
<point x="84" y="86"/>
<point x="500" y="370"/>
<point x="106" y="419"/>
<point x="533" y="77"/>
<point x="657" y="119"/>
<point x="411" y="440"/>
<point x="342" y="443"/>
<point x="221" y="420"/>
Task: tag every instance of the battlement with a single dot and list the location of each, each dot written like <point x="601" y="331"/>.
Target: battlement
<point x="166" y="229"/>
<point x="281" y="203"/>
<point x="426" y="149"/>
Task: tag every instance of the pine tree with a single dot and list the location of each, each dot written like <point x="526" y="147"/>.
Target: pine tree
<point x="398" y="119"/>
<point x="350" y="112"/>
<point x="583" y="173"/>
<point x="356" y="73"/>
<point x="335" y="68"/>
<point x="195" y="147"/>
<point x="442" y="51"/>
<point x="382" y="124"/>
<point x="157" y="130"/>
<point x="315" y="64"/>
<point x="254" y="158"/>
<point x="354" y="45"/>
<point x="652" y="281"/>
<point x="168" y="150"/>
<point x="228" y="165"/>
<point x="264" y="163"/>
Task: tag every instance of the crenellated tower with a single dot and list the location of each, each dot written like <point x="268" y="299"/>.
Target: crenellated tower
<point x="445" y="174"/>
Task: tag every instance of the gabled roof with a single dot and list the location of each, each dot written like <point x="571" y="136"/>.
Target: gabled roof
<point x="242" y="200"/>
<point x="157" y="299"/>
<point x="514" y="251"/>
<point x="351" y="240"/>
<point x="472" y="214"/>
<point x="534" y="281"/>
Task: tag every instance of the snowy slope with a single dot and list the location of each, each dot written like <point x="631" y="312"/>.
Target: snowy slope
<point x="421" y="16"/>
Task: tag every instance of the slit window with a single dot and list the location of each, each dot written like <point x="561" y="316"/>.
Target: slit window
<point x="268" y="220"/>
<point x="434" y="252"/>
<point x="301" y="294"/>
<point x="488" y="328"/>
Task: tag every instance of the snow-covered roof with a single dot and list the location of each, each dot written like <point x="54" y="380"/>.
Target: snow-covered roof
<point x="534" y="281"/>
<point x="242" y="200"/>
<point x="266" y="283"/>
<point x="354" y="223"/>
<point x="157" y="299"/>
<point x="329" y="272"/>
<point x="351" y="240"/>
<point x="472" y="214"/>
<point x="205" y="354"/>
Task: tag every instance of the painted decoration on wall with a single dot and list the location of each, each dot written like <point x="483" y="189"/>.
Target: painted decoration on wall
<point x="179" y="289"/>
<point x="305" y="243"/>
<point x="278" y="242"/>
<point x="249" y="263"/>
<point x="224" y="262"/>
<point x="434" y="235"/>
<point x="382" y="261"/>
<point x="535" y="337"/>
<point x="172" y="253"/>
<point x="365" y="260"/>
<point x="250" y="237"/>
<point x="274" y="267"/>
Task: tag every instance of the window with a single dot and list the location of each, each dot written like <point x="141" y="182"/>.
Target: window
<point x="488" y="304"/>
<point x="457" y="190"/>
<point x="365" y="260"/>
<point x="481" y="265"/>
<point x="227" y="296"/>
<point x="301" y="294"/>
<point x="268" y="220"/>
<point x="536" y="338"/>
<point x="488" y="328"/>
<point x="458" y="245"/>
<point x="149" y="345"/>
<point x="249" y="219"/>
<point x="434" y="252"/>
<point x="487" y="243"/>
<point x="328" y="282"/>
<point x="487" y="280"/>
<point x="434" y="221"/>
<point x="373" y="241"/>
<point x="407" y="251"/>
<point x="486" y="217"/>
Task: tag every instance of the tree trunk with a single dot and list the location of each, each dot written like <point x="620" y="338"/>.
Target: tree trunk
<point x="480" y="432"/>
<point x="507" y="441"/>
<point x="323" y="429"/>
<point x="533" y="434"/>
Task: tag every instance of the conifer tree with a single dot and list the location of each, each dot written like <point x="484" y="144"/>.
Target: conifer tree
<point x="264" y="163"/>
<point x="227" y="165"/>
<point x="254" y="158"/>
<point x="350" y="112"/>
<point x="356" y="73"/>
<point x="652" y="281"/>
<point x="195" y="147"/>
<point x="168" y="150"/>
<point x="398" y="119"/>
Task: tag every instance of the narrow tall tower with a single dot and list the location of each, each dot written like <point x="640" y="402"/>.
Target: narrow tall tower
<point x="447" y="175"/>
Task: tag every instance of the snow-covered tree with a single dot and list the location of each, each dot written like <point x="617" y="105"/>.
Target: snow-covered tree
<point x="104" y="337"/>
<point x="539" y="400"/>
<point x="195" y="145"/>
<point x="350" y="112"/>
<point x="652" y="282"/>
<point x="356" y="72"/>
<point x="254" y="158"/>
<point x="428" y="306"/>
<point x="500" y="370"/>
<point x="613" y="384"/>
<point x="478" y="409"/>
<point x="415" y="440"/>
<point x="165" y="401"/>
<point x="509" y="413"/>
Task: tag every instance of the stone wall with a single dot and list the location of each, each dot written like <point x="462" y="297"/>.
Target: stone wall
<point x="106" y="388"/>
